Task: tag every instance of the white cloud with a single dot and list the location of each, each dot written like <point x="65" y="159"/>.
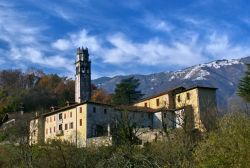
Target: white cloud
<point x="36" y="56"/>
<point x="188" y="47"/>
<point x="153" y="52"/>
<point x="186" y="51"/>
<point x="246" y="21"/>
<point x="2" y="61"/>
<point x="5" y="4"/>
<point x="219" y="46"/>
<point x="82" y="38"/>
<point x="62" y="44"/>
<point x="62" y="14"/>
<point x="164" y="26"/>
<point x="157" y="24"/>
<point x="78" y="39"/>
<point x="24" y="40"/>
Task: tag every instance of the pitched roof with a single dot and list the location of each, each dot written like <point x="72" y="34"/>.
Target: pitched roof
<point x="134" y="108"/>
<point x="176" y="90"/>
<point x="162" y="93"/>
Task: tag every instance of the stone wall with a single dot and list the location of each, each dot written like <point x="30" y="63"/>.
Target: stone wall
<point x="99" y="141"/>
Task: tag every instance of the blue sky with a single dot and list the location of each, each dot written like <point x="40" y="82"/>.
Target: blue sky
<point x="123" y="37"/>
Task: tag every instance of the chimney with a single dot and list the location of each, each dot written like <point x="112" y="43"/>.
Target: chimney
<point x="52" y="108"/>
<point x="67" y="103"/>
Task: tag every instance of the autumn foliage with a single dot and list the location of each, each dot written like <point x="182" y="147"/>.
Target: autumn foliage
<point x="33" y="90"/>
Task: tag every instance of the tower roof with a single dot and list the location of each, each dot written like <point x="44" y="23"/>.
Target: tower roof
<point x="82" y="51"/>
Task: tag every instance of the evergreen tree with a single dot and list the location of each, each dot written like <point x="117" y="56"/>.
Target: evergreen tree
<point x="126" y="92"/>
<point x="244" y="85"/>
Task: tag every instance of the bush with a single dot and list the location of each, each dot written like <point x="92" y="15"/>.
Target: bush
<point x="228" y="146"/>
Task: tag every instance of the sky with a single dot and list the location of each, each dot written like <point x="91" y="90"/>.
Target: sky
<point x="123" y="37"/>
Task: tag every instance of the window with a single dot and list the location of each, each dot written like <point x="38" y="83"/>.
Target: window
<point x="145" y="104"/>
<point x="50" y="131"/>
<point x="105" y="111"/>
<point x="188" y="96"/>
<point x="66" y="126"/>
<point x="60" y="116"/>
<point x="54" y="118"/>
<point x="54" y="129"/>
<point x="80" y="109"/>
<point x="34" y="133"/>
<point x="70" y="114"/>
<point x="50" y="119"/>
<point x="46" y="131"/>
<point x="64" y="115"/>
<point x="71" y="125"/>
<point x="60" y="127"/>
<point x="179" y="118"/>
<point x="80" y="122"/>
<point x="149" y="115"/>
<point x="157" y="102"/>
<point x="164" y="125"/>
<point x="179" y="98"/>
<point x="94" y="109"/>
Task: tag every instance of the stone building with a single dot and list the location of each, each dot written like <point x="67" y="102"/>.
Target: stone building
<point x="86" y="122"/>
<point x="197" y="106"/>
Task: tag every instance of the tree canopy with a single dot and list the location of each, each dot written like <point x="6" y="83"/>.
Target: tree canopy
<point x="126" y="92"/>
<point x="34" y="90"/>
<point x="100" y="95"/>
<point x="244" y="85"/>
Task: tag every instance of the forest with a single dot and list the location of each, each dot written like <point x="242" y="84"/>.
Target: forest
<point x="33" y="91"/>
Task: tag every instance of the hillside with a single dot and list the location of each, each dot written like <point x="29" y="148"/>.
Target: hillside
<point x="222" y="74"/>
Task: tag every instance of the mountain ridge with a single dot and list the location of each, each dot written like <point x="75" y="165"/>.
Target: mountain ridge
<point x="223" y="74"/>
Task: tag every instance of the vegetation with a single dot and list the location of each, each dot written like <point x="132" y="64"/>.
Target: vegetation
<point x="244" y="86"/>
<point x="126" y="92"/>
<point x="100" y="95"/>
<point x="226" y="146"/>
<point x="125" y="131"/>
<point x="33" y="90"/>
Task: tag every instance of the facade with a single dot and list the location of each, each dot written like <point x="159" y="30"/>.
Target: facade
<point x="85" y="122"/>
<point x="197" y="105"/>
<point x="82" y="122"/>
<point x="162" y="100"/>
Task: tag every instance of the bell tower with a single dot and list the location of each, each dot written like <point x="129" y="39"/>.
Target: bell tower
<point x="83" y="76"/>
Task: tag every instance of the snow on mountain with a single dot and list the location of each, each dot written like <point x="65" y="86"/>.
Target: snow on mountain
<point x="222" y="74"/>
<point x="218" y="64"/>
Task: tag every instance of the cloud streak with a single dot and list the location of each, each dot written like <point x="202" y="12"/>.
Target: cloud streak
<point x="186" y="51"/>
<point x="118" y="42"/>
<point x="24" y="39"/>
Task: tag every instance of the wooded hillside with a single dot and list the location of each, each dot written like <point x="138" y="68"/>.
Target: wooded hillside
<point x="33" y="90"/>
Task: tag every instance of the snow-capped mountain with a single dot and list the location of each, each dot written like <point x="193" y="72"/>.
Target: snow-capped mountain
<point x="222" y="74"/>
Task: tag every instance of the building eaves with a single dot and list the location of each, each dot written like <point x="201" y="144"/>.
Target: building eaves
<point x="73" y="106"/>
<point x="160" y="94"/>
<point x="201" y="87"/>
<point x="134" y="109"/>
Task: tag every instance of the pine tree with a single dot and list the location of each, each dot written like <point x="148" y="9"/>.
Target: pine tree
<point x="126" y="92"/>
<point x="244" y="85"/>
